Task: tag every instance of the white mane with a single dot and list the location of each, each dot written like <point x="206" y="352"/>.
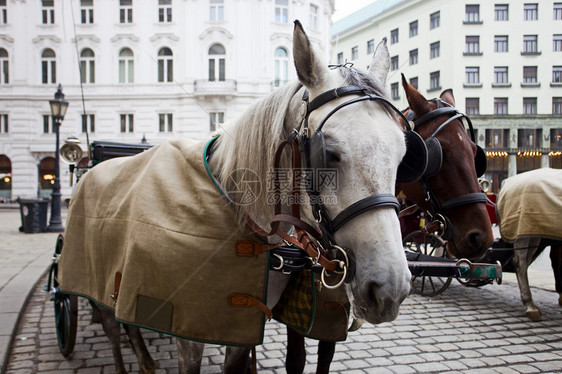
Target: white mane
<point x="250" y="142"/>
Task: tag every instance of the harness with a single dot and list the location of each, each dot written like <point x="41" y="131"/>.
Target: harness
<point x="435" y="157"/>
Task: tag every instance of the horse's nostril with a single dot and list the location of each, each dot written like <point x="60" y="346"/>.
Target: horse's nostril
<point x="476" y="240"/>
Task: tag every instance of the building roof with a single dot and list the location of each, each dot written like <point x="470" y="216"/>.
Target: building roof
<point x="364" y="14"/>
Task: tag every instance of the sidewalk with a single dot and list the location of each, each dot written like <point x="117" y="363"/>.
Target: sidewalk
<point x="23" y="260"/>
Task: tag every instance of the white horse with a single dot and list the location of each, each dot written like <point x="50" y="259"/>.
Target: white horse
<point x="363" y="143"/>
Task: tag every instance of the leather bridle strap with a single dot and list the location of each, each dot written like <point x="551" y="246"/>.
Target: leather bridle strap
<point x="469" y="198"/>
<point x="362" y="206"/>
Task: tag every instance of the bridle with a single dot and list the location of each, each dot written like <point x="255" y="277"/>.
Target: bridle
<point x="436" y="207"/>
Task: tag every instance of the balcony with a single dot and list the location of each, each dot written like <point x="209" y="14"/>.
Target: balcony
<point x="207" y="87"/>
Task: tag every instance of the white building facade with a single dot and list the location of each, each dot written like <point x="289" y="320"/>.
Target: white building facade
<point x="134" y="69"/>
<point x="503" y="60"/>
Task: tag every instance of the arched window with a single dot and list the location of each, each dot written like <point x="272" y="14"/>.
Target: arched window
<point x="281" y="66"/>
<point x="46" y="175"/>
<point x="48" y="66"/>
<point x="5" y="177"/>
<point x="126" y="66"/>
<point x="87" y="64"/>
<point x="165" y="65"/>
<point x="4" y="71"/>
<point x="217" y="62"/>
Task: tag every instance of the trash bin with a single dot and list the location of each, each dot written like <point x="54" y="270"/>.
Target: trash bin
<point x="33" y="215"/>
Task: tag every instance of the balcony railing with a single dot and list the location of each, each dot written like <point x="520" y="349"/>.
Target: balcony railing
<point x="208" y="87"/>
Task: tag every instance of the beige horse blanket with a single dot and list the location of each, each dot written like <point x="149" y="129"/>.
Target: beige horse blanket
<point x="530" y="205"/>
<point x="150" y="237"/>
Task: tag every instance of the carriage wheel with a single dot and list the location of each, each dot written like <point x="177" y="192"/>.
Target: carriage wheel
<point x="66" y="311"/>
<point x="431" y="246"/>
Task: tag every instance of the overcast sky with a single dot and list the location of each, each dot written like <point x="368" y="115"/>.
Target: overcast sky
<point x="346" y="7"/>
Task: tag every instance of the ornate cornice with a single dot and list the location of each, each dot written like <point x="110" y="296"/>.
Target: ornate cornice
<point x="92" y="38"/>
<point x="120" y="37"/>
<point x="41" y="38"/>
<point x="6" y="38"/>
<point x="212" y="30"/>
<point x="167" y="36"/>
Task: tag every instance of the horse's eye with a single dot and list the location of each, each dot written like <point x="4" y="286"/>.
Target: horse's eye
<point x="332" y="157"/>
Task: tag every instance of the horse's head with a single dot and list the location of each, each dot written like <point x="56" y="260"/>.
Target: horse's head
<point x="354" y="144"/>
<point x="449" y="187"/>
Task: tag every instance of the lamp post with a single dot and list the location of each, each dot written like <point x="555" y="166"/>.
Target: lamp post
<point x="58" y="110"/>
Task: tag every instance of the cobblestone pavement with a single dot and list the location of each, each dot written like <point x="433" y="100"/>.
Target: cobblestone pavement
<point x="480" y="330"/>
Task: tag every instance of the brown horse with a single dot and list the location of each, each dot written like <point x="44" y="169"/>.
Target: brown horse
<point x="447" y="190"/>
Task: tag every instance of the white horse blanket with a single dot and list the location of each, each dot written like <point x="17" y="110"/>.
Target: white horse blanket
<point x="150" y="237"/>
<point x="530" y="205"/>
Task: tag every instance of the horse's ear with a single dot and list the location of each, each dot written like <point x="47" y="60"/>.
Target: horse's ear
<point x="418" y="103"/>
<point x="380" y="63"/>
<point x="447" y="96"/>
<point x="310" y="69"/>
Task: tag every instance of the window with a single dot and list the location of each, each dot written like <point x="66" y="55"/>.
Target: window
<point x="434" y="83"/>
<point x="413" y="28"/>
<point x="529" y="138"/>
<point x="394" y="63"/>
<point x="434" y="49"/>
<point x="48" y="11"/>
<point x="500" y="105"/>
<point x="165" y="65"/>
<point x="217" y="10"/>
<point x="164" y="11"/>
<point x="497" y="138"/>
<point x="4" y="67"/>
<point x="394" y="91"/>
<point x="313" y="17"/>
<point x="281" y="66"/>
<point x="529" y="74"/>
<point x="87" y="64"/>
<point x="530" y="43"/>
<point x="394" y="36"/>
<point x="557" y="11"/>
<point x="48" y="66"/>
<point x="86" y="11"/>
<point x="472" y="14"/>
<point x="530" y="12"/>
<point x="472" y="105"/>
<point x="125" y="11"/>
<point x="414" y="56"/>
<point x="500" y="75"/>
<point x="414" y="82"/>
<point x="127" y="123"/>
<point x="500" y="43"/>
<point x="215" y="119"/>
<point x="4" y="128"/>
<point x="281" y="11"/>
<point x="557" y="42"/>
<point x="556" y="109"/>
<point x="3" y="12"/>
<point x="472" y="45"/>
<point x="557" y="74"/>
<point x="126" y="66"/>
<point x="217" y="63"/>
<point x="354" y="53"/>
<point x="48" y="124"/>
<point x="472" y="75"/>
<point x="529" y="105"/>
<point x="165" y="122"/>
<point x="88" y="123"/>
<point x="370" y="47"/>
<point x="340" y="58"/>
<point x="434" y="19"/>
<point x="501" y="12"/>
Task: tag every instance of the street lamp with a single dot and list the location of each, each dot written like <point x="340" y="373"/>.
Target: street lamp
<point x="58" y="110"/>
